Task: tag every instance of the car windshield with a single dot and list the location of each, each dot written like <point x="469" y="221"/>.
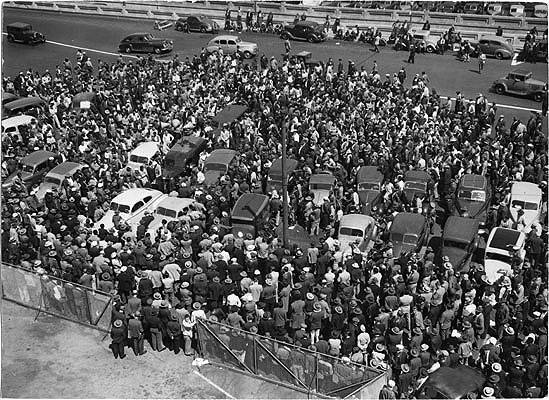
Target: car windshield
<point x="321" y="186"/>
<point x="147" y="37"/>
<point x="525" y="205"/>
<point x="473" y="195"/>
<point x="410" y="238"/>
<point x="455" y="245"/>
<point x="215" y="167"/>
<point x="51" y="179"/>
<point x="139" y="159"/>
<point x="123" y="208"/>
<point x="368" y="186"/>
<point x="27" y="168"/>
<point x="415" y="185"/>
<point x="499" y="257"/>
<point x="350" y="232"/>
<point x="166" y="212"/>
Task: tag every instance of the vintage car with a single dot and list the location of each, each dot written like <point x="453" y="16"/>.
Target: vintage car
<point x="163" y="24"/>
<point x="185" y="151"/>
<point x="297" y="236"/>
<point x="142" y="155"/>
<point x="85" y="101"/>
<point x="459" y="241"/>
<point x="368" y="186"/>
<point x="420" y="39"/>
<point x="498" y="256"/>
<point x="516" y="10"/>
<point x="217" y="164"/>
<point x="451" y="383"/>
<point x="131" y="205"/>
<point x="321" y="185"/>
<point x="494" y="9"/>
<point x="229" y="44"/>
<point x="168" y="209"/>
<point x="417" y="183"/>
<point x="8" y="97"/>
<point x="197" y="23"/>
<point x="13" y="126"/>
<point x="274" y="180"/>
<point x="526" y="196"/>
<point x="473" y="7"/>
<point x="473" y="197"/>
<point x="540" y="11"/>
<point x="356" y="230"/>
<point x="305" y="57"/>
<point x="310" y="31"/>
<point x="144" y="42"/>
<point x="408" y="232"/>
<point x="33" y="167"/>
<point x="55" y="178"/>
<point x="495" y="46"/>
<point x="520" y="82"/>
<point x="23" y="33"/>
<point x="250" y="214"/>
<point x="24" y="105"/>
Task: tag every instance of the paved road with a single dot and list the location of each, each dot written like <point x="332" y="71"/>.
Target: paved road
<point x="102" y="34"/>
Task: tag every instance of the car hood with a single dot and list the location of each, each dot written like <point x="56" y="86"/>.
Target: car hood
<point x="456" y="256"/>
<point x="410" y="193"/>
<point x="211" y="177"/>
<point x="367" y="196"/>
<point x="472" y="209"/>
<point x="530" y="216"/>
<point x="44" y="187"/>
<point x="491" y="268"/>
<point x="9" y="180"/>
<point x="535" y="82"/>
<point x="107" y="219"/>
<point x="346" y="241"/>
<point x="319" y="196"/>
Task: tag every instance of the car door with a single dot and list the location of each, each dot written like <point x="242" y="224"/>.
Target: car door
<point x="231" y="46"/>
<point x="516" y="84"/>
<point x="223" y="45"/>
<point x="484" y="46"/>
<point x="192" y="22"/>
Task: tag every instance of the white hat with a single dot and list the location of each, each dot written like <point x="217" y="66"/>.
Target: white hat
<point x="123" y="269"/>
<point x="492" y="341"/>
<point x="391" y="383"/>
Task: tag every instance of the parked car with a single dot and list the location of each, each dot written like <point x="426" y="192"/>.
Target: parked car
<point x="144" y="43"/>
<point x="310" y="31"/>
<point x="417" y="183"/>
<point x="368" y="186"/>
<point x="473" y="7"/>
<point x="520" y="82"/>
<point x="131" y="206"/>
<point x="498" y="256"/>
<point x="24" y="105"/>
<point x="451" y="383"/>
<point x="540" y="11"/>
<point x="473" y="197"/>
<point x="306" y="57"/>
<point x="321" y="186"/>
<point x="12" y="126"/>
<point x="197" y="23"/>
<point x="495" y="46"/>
<point x="23" y="33"/>
<point x="420" y="39"/>
<point x="516" y="10"/>
<point x="55" y="178"/>
<point x="185" y="151"/>
<point x="33" y="167"/>
<point x="229" y="44"/>
<point x="217" y="164"/>
<point x="85" y="101"/>
<point x="446" y="7"/>
<point x="250" y="214"/>
<point x="168" y="209"/>
<point x="408" y="232"/>
<point x="161" y="25"/>
<point x="274" y="180"/>
<point x="358" y="230"/>
<point x="459" y="241"/>
<point x="8" y="97"/>
<point x="526" y="196"/>
<point x="494" y="9"/>
<point x="142" y="155"/>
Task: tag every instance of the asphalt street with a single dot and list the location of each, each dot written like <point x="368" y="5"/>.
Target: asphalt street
<point x="101" y="35"/>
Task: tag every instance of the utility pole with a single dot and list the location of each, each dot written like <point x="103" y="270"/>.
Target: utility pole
<point x="284" y="183"/>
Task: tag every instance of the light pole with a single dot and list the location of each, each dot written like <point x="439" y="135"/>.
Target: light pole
<point x="284" y="183"/>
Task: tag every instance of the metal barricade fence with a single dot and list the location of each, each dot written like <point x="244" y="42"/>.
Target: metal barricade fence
<point x="57" y="297"/>
<point x="289" y="365"/>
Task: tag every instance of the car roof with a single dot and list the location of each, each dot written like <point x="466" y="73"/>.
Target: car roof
<point x="322" y="178"/>
<point x="84" y="96"/>
<point x="221" y="156"/>
<point x="422" y="176"/>
<point x="36" y="157"/>
<point x="147" y="149"/>
<point x="176" y="203"/>
<point x="226" y="37"/>
<point x="358" y="221"/>
<point x="455" y="382"/>
<point x="502" y="238"/>
<point x="133" y="195"/>
<point x="406" y="222"/>
<point x="23" y="102"/>
<point x="230" y="113"/>
<point x="139" y="34"/>
<point x="473" y="181"/>
<point x="255" y="201"/>
<point x="18" y="25"/>
<point x="307" y="23"/>
<point x="369" y="173"/>
<point x="521" y="72"/>
<point x="17" y="120"/>
<point x="65" y="168"/>
<point x="460" y="228"/>
<point x="525" y="189"/>
<point x="276" y="166"/>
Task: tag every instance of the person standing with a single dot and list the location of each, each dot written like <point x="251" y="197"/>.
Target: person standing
<point x="376" y="44"/>
<point x="118" y="336"/>
<point x="287" y="46"/>
<point x="481" y="61"/>
<point x="412" y="56"/>
<point x="136" y="334"/>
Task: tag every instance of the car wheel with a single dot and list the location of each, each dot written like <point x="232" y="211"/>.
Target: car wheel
<point x="247" y="54"/>
<point x="538" y="97"/>
<point x="499" y="55"/>
<point x="156" y="50"/>
<point x="500" y="89"/>
<point x="202" y="29"/>
<point x="11" y="38"/>
<point x="311" y="39"/>
<point x="128" y="49"/>
<point x="430" y="49"/>
<point x="178" y="27"/>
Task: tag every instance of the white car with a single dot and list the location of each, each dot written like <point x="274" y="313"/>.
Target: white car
<point x="357" y="229"/>
<point x="169" y="209"/>
<point x="132" y="204"/>
<point x="526" y="196"/>
<point x="143" y="154"/>
<point x="498" y="256"/>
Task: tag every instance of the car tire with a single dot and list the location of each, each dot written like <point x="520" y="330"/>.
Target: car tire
<point x="500" y="89"/>
<point x="178" y="27"/>
<point x="430" y="49"/>
<point x="499" y="55"/>
<point x="128" y="49"/>
<point x="311" y="39"/>
<point x="202" y="29"/>
<point x="538" y="97"/>
<point x="247" y="54"/>
<point x="156" y="50"/>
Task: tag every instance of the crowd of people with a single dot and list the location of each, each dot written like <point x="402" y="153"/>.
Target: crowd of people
<point x="412" y="314"/>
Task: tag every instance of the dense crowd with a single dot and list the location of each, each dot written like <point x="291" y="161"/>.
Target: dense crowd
<point x="412" y="314"/>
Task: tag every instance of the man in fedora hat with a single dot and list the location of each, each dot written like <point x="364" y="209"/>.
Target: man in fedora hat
<point x="136" y="333"/>
<point x="118" y="336"/>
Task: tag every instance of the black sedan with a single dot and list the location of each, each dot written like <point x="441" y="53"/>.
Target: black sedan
<point x="144" y="43"/>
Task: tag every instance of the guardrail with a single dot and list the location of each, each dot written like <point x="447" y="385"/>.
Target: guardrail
<point x="470" y="26"/>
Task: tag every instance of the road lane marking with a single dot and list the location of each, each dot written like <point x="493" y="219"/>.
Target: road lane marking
<point x="227" y="394"/>
<point x="498" y="105"/>
<point x="85" y="48"/>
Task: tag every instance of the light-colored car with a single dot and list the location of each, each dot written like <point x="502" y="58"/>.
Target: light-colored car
<point x="12" y="126"/>
<point x="526" y="196"/>
<point x="495" y="46"/>
<point x="143" y="154"/>
<point x="229" y="44"/>
<point x="131" y="205"/>
<point x="540" y="11"/>
<point x="520" y="82"/>
<point x="169" y="209"/>
<point x="55" y="178"/>
<point x="498" y="256"/>
<point x="494" y="9"/>
<point x="321" y="186"/>
<point x="516" y="10"/>
<point x="357" y="229"/>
